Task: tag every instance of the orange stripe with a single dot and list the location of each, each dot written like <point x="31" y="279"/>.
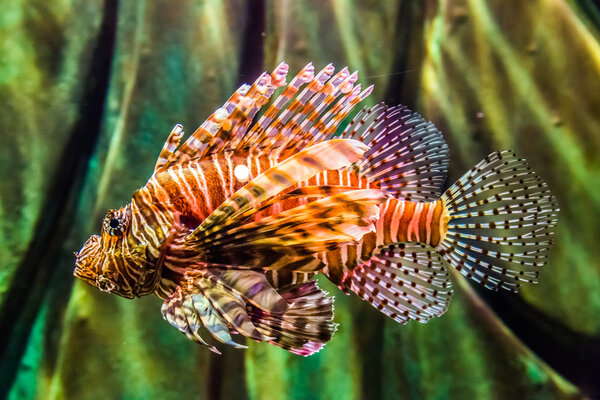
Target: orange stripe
<point x="405" y="218"/>
<point x="435" y="223"/>
<point x="334" y="259"/>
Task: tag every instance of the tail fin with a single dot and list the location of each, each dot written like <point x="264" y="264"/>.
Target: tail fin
<point x="501" y="219"/>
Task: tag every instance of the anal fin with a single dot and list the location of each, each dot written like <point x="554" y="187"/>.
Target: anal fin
<point x="404" y="281"/>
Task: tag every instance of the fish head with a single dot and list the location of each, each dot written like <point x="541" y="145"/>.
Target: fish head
<point x="113" y="262"/>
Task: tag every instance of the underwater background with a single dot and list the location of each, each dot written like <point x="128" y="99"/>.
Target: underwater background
<point x="89" y="91"/>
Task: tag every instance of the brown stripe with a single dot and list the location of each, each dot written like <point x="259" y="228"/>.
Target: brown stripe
<point x="351" y="261"/>
<point x="407" y="214"/>
<point x="369" y="243"/>
<point x="334" y="264"/>
<point x="435" y="223"/>
<point x="423" y="221"/>
<point x="387" y="223"/>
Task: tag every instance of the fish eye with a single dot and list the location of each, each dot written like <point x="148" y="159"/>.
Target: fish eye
<point x="115" y="222"/>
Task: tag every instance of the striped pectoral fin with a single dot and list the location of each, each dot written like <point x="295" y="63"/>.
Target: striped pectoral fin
<point x="286" y="276"/>
<point x="305" y="326"/>
<point x="225" y="301"/>
<point x="249" y="284"/>
<point x="306" y="193"/>
<point x="404" y="281"/>
<point x="408" y="156"/>
<point x="218" y="299"/>
<point x="180" y="311"/>
<point x="330" y="155"/>
<point x="319" y="191"/>
<point x="199" y="304"/>
<point x="501" y="219"/>
<point x="314" y="227"/>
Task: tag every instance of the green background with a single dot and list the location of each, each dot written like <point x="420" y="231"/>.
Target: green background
<point x="89" y="91"/>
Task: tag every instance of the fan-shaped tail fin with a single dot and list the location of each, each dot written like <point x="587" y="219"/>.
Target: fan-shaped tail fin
<point x="501" y="219"/>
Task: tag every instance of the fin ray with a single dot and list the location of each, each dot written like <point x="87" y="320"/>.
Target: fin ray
<point x="214" y="299"/>
<point x="407" y="156"/>
<point x="501" y="223"/>
<point x="404" y="281"/>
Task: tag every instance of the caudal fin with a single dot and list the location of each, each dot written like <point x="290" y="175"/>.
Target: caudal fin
<point x="501" y="219"/>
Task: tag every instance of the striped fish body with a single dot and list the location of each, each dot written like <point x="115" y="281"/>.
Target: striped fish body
<point x="399" y="222"/>
<point x="194" y="189"/>
<point x="235" y="221"/>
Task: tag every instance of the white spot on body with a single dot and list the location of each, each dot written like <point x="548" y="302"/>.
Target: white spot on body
<point x="242" y="173"/>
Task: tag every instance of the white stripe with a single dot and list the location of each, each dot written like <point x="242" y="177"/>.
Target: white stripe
<point x="413" y="226"/>
<point x="221" y="175"/>
<point x="231" y="167"/>
<point x="395" y="221"/>
<point x="429" y="218"/>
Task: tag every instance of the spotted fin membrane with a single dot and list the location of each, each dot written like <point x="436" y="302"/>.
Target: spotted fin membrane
<point x="501" y="219"/>
<point x="407" y="155"/>
<point x="498" y="226"/>
<point x="404" y="281"/>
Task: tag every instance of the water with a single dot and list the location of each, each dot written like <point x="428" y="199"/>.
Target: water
<point x="90" y="92"/>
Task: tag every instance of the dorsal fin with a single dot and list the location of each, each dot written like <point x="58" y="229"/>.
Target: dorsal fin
<point x="231" y="121"/>
<point x="407" y="155"/>
<point x="308" y="110"/>
<point x="167" y="153"/>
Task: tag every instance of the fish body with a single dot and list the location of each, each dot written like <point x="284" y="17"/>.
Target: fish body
<point x="235" y="222"/>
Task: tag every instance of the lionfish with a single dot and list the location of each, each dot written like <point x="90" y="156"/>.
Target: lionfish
<point x="234" y="224"/>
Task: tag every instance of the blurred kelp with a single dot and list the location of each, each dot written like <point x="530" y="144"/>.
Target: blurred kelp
<point x="89" y="91"/>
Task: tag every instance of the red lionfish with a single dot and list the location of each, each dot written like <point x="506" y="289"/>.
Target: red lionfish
<point x="234" y="223"/>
